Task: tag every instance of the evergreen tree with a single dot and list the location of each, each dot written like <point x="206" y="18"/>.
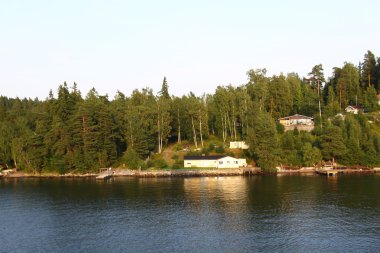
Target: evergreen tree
<point x="262" y="140"/>
<point x="164" y="92"/>
<point x="332" y="143"/>
<point x="368" y="70"/>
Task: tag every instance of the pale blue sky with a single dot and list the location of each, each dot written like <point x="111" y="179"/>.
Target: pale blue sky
<point x="122" y="45"/>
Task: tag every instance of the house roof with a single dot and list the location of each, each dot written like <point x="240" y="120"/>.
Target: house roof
<point x="296" y="116"/>
<point x="199" y="157"/>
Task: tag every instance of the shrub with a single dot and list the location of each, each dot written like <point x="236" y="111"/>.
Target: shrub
<point x="160" y="163"/>
<point x="219" y="150"/>
<point x="178" y="165"/>
<point x="194" y="153"/>
<point x="178" y="147"/>
<point x="211" y="147"/>
<point x="205" y="151"/>
<point x="131" y="158"/>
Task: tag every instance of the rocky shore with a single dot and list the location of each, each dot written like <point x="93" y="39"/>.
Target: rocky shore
<point x="146" y="173"/>
<point x="182" y="173"/>
<point x="186" y="172"/>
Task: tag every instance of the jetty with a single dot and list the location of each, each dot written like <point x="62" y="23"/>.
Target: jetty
<point x="328" y="172"/>
<point x="249" y="170"/>
<point x="105" y="173"/>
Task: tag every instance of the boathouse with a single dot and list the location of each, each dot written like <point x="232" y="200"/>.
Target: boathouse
<point x="216" y="161"/>
<point x="298" y="121"/>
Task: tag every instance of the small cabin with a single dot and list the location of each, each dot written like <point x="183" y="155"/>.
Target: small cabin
<point x="213" y="162"/>
<point x="238" y="145"/>
<point x="378" y="99"/>
<point x="298" y="121"/>
<point x="355" y="109"/>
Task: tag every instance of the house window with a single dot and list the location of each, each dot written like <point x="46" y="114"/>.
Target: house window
<point x="188" y="163"/>
<point x="235" y="162"/>
<point x="228" y="162"/>
<point x="220" y="162"/>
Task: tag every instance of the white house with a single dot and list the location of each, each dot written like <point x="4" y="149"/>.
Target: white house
<point x="215" y="161"/>
<point x="355" y="109"/>
<point x="298" y="121"/>
<point x="378" y="98"/>
<point x="238" y="145"/>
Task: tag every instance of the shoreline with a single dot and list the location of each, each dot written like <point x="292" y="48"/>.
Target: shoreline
<point x="184" y="173"/>
<point x="144" y="173"/>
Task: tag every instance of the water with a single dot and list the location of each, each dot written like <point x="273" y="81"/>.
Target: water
<point x="232" y="214"/>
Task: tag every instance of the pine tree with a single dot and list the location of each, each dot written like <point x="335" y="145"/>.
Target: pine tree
<point x="332" y="143"/>
<point x="262" y="140"/>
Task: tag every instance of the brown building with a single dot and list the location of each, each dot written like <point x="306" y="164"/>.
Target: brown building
<point x="301" y="122"/>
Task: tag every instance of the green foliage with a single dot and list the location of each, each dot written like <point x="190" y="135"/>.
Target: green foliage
<point x="131" y="158"/>
<point x="219" y="150"/>
<point x="262" y="140"/>
<point x="194" y="153"/>
<point x="310" y="155"/>
<point x="211" y="147"/>
<point x="332" y="143"/>
<point x="157" y="162"/>
<point x="178" y="165"/>
<point x="71" y="133"/>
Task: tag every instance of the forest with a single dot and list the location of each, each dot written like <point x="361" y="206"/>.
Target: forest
<point x="68" y="132"/>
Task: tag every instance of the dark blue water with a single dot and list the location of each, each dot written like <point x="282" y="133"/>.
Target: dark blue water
<point x="234" y="214"/>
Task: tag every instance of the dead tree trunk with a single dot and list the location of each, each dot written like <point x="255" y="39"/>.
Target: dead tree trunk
<point x="179" y="128"/>
<point x="194" y="132"/>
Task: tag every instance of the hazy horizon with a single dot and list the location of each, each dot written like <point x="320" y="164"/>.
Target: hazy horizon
<point x="126" y="45"/>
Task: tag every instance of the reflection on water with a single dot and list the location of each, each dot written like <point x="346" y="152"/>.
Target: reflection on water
<point x="215" y="214"/>
<point x="227" y="190"/>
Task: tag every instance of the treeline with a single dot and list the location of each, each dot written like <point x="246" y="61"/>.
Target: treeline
<point x="69" y="132"/>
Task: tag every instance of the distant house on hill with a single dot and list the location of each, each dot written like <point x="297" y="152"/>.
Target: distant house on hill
<point x="238" y="145"/>
<point x="298" y="121"/>
<point x="378" y="99"/>
<point x="355" y="109"/>
<point x="216" y="161"/>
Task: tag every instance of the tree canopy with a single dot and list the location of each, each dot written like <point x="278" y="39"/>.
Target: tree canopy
<point x="69" y="132"/>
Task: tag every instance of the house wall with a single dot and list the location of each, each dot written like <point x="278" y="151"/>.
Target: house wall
<point x="307" y="128"/>
<point x="230" y="162"/>
<point x="226" y="162"/>
<point x="200" y="163"/>
<point x="351" y="110"/>
<point x="296" y="122"/>
<point x="238" y="145"/>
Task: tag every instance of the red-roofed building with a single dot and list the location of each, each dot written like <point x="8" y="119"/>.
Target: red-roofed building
<point x="355" y="109"/>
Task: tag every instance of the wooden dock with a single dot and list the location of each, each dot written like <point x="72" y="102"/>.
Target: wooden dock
<point x="329" y="172"/>
<point x="247" y="171"/>
<point x="105" y="173"/>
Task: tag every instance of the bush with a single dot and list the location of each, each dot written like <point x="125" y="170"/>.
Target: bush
<point x="194" y="153"/>
<point x="205" y="151"/>
<point x="178" y="165"/>
<point x="178" y="147"/>
<point x="211" y="147"/>
<point x="219" y="150"/>
<point x="160" y="163"/>
<point x="230" y="154"/>
<point x="131" y="158"/>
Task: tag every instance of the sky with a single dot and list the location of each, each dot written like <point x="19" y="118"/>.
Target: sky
<point x="115" y="45"/>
